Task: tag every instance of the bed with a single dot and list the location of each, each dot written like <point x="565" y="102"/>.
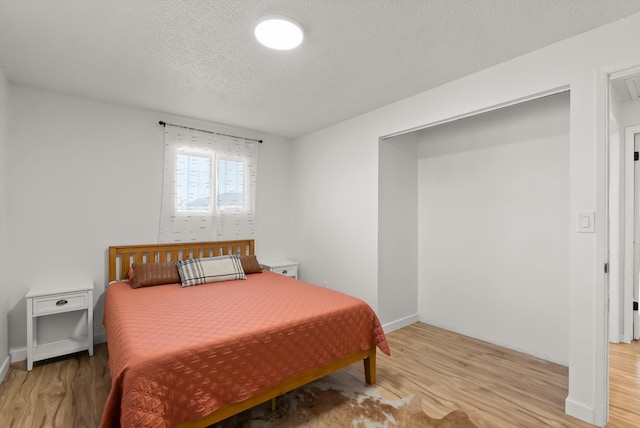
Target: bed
<point x="193" y="356"/>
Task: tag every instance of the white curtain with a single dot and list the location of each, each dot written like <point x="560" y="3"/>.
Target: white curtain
<point x="209" y="186"/>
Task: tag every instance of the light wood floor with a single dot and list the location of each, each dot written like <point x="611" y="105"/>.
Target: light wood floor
<point x="63" y="392"/>
<point x="496" y="387"/>
<point x="624" y="385"/>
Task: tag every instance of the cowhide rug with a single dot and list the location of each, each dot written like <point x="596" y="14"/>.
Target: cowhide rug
<point x="341" y="400"/>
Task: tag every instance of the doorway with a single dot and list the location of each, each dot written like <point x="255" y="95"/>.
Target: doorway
<point x="632" y="139"/>
<point x="624" y="225"/>
<point x="624" y="233"/>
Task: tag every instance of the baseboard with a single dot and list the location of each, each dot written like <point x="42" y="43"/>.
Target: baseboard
<point x="20" y="354"/>
<point x="4" y="368"/>
<point x="99" y="338"/>
<point x="579" y="410"/>
<point x="398" y="324"/>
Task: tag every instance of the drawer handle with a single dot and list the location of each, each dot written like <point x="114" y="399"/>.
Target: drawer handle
<point x="61" y="302"/>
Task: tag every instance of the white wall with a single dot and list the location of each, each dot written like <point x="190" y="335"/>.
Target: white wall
<point x="336" y="176"/>
<point x="4" y="297"/>
<point x="335" y="212"/>
<point x="494" y="227"/>
<point x="629" y="114"/>
<point x="398" y="232"/>
<point x="86" y="175"/>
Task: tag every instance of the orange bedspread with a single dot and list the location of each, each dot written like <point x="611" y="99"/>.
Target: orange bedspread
<point x="178" y="354"/>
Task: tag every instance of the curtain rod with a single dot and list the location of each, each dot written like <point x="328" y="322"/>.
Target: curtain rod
<point x="163" y="123"/>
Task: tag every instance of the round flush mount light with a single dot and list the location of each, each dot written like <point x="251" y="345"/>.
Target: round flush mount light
<point x="279" y="32"/>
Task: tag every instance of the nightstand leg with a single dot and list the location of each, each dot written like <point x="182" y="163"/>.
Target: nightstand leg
<point x="29" y="335"/>
<point x="90" y="323"/>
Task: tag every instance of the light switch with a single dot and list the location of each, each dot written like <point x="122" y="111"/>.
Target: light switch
<point x="586" y="222"/>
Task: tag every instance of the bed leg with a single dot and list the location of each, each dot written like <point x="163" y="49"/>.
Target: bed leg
<point x="273" y="404"/>
<point x="370" y="368"/>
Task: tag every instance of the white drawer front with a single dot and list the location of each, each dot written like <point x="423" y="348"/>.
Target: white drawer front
<point x="291" y="271"/>
<point x="59" y="303"/>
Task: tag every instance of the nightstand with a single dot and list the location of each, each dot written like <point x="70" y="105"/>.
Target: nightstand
<point x="57" y="300"/>
<point x="283" y="267"/>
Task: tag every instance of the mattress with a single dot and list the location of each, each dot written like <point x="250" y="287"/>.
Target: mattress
<point x="178" y="354"/>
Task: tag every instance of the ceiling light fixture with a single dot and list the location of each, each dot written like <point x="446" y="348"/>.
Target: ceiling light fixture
<point x="279" y="32"/>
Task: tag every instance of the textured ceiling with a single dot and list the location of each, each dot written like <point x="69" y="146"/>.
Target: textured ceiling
<point x="199" y="59"/>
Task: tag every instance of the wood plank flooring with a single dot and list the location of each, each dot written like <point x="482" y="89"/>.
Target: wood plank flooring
<point x="63" y="392"/>
<point x="624" y="385"/>
<point x="496" y="387"/>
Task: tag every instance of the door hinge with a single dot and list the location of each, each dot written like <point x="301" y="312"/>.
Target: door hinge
<point x="636" y="156"/>
<point x="635" y="306"/>
<point x="606" y="268"/>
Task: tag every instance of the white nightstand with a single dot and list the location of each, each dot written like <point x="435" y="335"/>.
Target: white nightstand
<point x="283" y="267"/>
<point x="57" y="300"/>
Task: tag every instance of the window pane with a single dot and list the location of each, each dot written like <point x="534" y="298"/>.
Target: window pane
<point x="230" y="184"/>
<point x="193" y="183"/>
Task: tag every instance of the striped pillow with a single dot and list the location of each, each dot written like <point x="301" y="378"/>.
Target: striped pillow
<point x="210" y="269"/>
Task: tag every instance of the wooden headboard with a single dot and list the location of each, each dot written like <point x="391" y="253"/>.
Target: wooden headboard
<point x="121" y="257"/>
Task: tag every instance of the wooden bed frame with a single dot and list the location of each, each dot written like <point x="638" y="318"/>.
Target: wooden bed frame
<point x="122" y="257"/>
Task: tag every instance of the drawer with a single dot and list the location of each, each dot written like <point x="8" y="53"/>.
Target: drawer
<point x="59" y="303"/>
<point x="291" y="271"/>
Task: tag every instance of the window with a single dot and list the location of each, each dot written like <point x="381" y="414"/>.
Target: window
<point x="194" y="189"/>
<point x="193" y="183"/>
<point x="230" y="184"/>
<point x="209" y="186"/>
